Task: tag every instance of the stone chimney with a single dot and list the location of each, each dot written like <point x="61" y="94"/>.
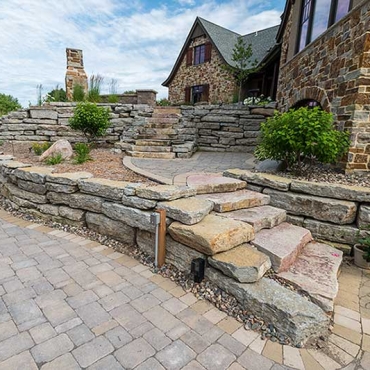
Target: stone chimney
<point x="75" y="74"/>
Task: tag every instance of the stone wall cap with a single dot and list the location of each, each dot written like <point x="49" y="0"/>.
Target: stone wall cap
<point x="105" y="182"/>
<point x="164" y="192"/>
<point x="15" y="164"/>
<point x="68" y="178"/>
<point x="146" y="90"/>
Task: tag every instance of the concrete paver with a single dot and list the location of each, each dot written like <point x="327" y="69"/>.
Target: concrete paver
<point x="66" y="305"/>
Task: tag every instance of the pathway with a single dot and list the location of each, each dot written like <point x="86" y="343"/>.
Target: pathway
<point x="69" y="303"/>
<point x="172" y="171"/>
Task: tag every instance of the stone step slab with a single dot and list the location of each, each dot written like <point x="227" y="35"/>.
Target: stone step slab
<point x="282" y="244"/>
<point x="153" y="142"/>
<point x="33" y="174"/>
<point x="163" y="192"/>
<point x="153" y="148"/>
<point x="188" y="211"/>
<point x="157" y="155"/>
<point x="324" y="209"/>
<point x="166" y="110"/>
<point x="226" y="202"/>
<point x="315" y="271"/>
<point x="266" y="179"/>
<point x="263" y="217"/>
<point x="291" y="314"/>
<point x="243" y="263"/>
<point x="158" y="131"/>
<point x="212" y="235"/>
<point x="213" y="183"/>
<point x="154" y="137"/>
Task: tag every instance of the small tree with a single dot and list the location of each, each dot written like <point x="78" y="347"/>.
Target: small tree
<point x="302" y="134"/>
<point x="8" y="103"/>
<point x="56" y="95"/>
<point x="244" y="65"/>
<point x="92" y="120"/>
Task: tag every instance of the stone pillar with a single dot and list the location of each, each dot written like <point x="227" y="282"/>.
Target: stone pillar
<point x="75" y="74"/>
<point x="147" y="97"/>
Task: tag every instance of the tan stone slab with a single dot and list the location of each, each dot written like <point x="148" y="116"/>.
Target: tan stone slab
<point x="213" y="234"/>
<point x="344" y="344"/>
<point x="258" y="345"/>
<point x="346" y="333"/>
<point x="325" y="361"/>
<point x="273" y="351"/>
<point x="292" y="358"/>
<point x="347" y="312"/>
<point x="229" y="324"/>
<point x="348" y="323"/>
<point x="227" y="202"/>
<point x="235" y="173"/>
<point x="106" y="188"/>
<point x="188" y="211"/>
<point x="33" y="174"/>
<point x="164" y="192"/>
<point x="201" y="307"/>
<point x="243" y="263"/>
<point x="213" y="183"/>
<point x="338" y="354"/>
<point x="68" y="178"/>
<point x="15" y="164"/>
<point x="265" y="179"/>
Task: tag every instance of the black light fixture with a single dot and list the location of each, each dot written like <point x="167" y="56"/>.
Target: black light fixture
<point x="197" y="268"/>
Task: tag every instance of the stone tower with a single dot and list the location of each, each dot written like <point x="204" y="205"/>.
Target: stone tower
<point x="75" y="74"/>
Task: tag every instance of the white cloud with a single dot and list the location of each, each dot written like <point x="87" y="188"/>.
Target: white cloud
<point x="119" y="39"/>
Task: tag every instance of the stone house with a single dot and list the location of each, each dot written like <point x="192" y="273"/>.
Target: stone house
<point x="197" y="75"/>
<point x="325" y="61"/>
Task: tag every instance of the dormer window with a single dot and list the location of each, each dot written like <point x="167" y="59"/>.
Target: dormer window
<point x="317" y="16"/>
<point x="199" y="54"/>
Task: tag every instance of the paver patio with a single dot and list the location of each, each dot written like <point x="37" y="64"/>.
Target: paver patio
<point x="70" y="303"/>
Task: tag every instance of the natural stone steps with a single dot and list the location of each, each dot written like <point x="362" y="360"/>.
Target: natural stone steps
<point x="214" y="183"/>
<point x="158" y="155"/>
<point x="243" y="263"/>
<point x="154" y="137"/>
<point x="154" y="148"/>
<point x="169" y="121"/>
<point x="226" y="202"/>
<point x="166" y="110"/>
<point x="153" y="142"/>
<point x="158" y="131"/>
<point x="213" y="234"/>
<point x="166" y="115"/>
<point x="282" y="244"/>
<point x="262" y="217"/>
<point x="315" y="271"/>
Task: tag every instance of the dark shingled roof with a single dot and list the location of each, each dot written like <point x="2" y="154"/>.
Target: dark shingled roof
<point x="262" y="42"/>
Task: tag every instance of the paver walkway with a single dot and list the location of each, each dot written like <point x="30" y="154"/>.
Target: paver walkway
<point x="172" y="170"/>
<point x="70" y="303"/>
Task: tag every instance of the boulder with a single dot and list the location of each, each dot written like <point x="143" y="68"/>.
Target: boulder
<point x="33" y="174"/>
<point x="214" y="183"/>
<point x="290" y="313"/>
<point x="243" y="263"/>
<point x="32" y="187"/>
<point x="212" y="235"/>
<point x="177" y="254"/>
<point x="337" y="191"/>
<point x="266" y="179"/>
<point x="264" y="217"/>
<point x="61" y="146"/>
<point x="315" y="271"/>
<point x="68" y="178"/>
<point x="105" y="188"/>
<point x="188" y="211"/>
<point x="226" y="202"/>
<point x="324" y="209"/>
<point x="137" y="202"/>
<point x="113" y="228"/>
<point x="71" y="213"/>
<point x="363" y="220"/>
<point x="77" y="200"/>
<point x="61" y="188"/>
<point x="9" y="190"/>
<point x="164" y="192"/>
<point x="282" y="244"/>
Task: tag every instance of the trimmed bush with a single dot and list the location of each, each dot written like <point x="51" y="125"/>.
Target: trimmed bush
<point x="300" y="135"/>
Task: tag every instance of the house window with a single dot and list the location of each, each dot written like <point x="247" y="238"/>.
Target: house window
<point x="196" y="94"/>
<point x="317" y="16"/>
<point x="199" y="54"/>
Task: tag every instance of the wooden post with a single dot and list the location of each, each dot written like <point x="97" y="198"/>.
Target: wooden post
<point x="162" y="237"/>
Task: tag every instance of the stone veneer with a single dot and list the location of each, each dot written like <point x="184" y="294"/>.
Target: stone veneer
<point x="75" y="74"/>
<point x="335" y="71"/>
<point x="221" y="84"/>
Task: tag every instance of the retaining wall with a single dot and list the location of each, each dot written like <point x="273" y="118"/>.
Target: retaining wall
<point x="332" y="212"/>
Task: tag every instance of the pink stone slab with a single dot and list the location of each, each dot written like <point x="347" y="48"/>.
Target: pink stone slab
<point x="315" y="271"/>
<point x="282" y="244"/>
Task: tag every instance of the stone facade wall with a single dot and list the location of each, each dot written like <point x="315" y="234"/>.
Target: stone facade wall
<point x="225" y="128"/>
<point x="50" y="122"/>
<point x="221" y="84"/>
<point x="335" y="71"/>
<point x="75" y="74"/>
<point x="333" y="213"/>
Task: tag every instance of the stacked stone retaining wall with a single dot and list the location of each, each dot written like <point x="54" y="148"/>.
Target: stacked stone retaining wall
<point x="332" y="212"/>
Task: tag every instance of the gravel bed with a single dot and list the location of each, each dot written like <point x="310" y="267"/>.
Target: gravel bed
<point x="326" y="174"/>
<point x="205" y="290"/>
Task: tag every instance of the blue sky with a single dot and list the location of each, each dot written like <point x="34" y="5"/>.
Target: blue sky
<point x="135" y="42"/>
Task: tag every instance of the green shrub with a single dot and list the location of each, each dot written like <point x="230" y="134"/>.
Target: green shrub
<point x="56" y="95"/>
<point x="78" y="93"/>
<point x="113" y="98"/>
<point x="95" y="82"/>
<point x="163" y="102"/>
<point x="91" y="120"/>
<point x="39" y="148"/>
<point x="8" y="103"/>
<point x="299" y="135"/>
<point x="54" y="159"/>
<point x="82" y="153"/>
